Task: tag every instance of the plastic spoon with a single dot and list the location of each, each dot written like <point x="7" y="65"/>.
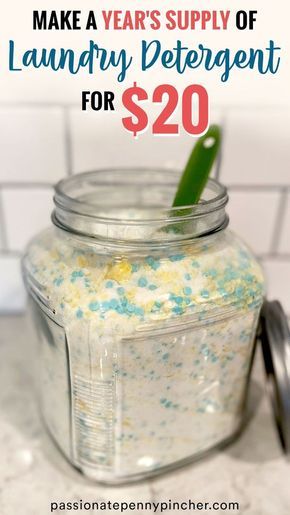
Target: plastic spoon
<point x="198" y="168"/>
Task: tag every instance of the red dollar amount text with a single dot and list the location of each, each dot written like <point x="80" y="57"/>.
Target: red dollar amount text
<point x="194" y="107"/>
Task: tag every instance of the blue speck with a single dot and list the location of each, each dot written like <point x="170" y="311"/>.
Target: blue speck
<point x="113" y="304"/>
<point x="139" y="311"/>
<point x="204" y="294"/>
<point x="157" y="306"/>
<point x="152" y="262"/>
<point x="130" y="308"/>
<point x="176" y="257"/>
<point x="205" y="350"/>
<point x="109" y="284"/>
<point x="239" y="291"/>
<point x="152" y="287"/>
<point x="58" y="281"/>
<point x="178" y="310"/>
<point x="222" y="291"/>
<point x="135" y="267"/>
<point x="75" y="274"/>
<point x="211" y="272"/>
<point x="187" y="277"/>
<point x="187" y="290"/>
<point x="249" y="278"/>
<point x="254" y="303"/>
<point x="177" y="299"/>
<point x="106" y="305"/>
<point x="165" y="356"/>
<point x="94" y="306"/>
<point x="195" y="264"/>
<point x="79" y="313"/>
<point x="120" y="290"/>
<point x="142" y="282"/>
<point x="230" y="274"/>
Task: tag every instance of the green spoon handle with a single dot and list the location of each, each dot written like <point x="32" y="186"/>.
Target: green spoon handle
<point x="198" y="168"/>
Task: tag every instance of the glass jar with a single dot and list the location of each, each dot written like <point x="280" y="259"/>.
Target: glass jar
<point x="146" y="320"/>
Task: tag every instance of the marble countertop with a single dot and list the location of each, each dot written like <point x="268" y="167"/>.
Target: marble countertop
<point x="252" y="471"/>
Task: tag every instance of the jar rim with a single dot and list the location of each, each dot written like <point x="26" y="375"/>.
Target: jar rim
<point x="66" y="198"/>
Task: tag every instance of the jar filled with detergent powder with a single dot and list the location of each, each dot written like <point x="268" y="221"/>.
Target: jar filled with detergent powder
<point x="146" y="319"/>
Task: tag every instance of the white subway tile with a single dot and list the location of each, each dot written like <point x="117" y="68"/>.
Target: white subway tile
<point x="99" y="140"/>
<point x="12" y="294"/>
<point x="32" y="144"/>
<point x="257" y="149"/>
<point x="284" y="244"/>
<point x="278" y="281"/>
<point x="252" y="216"/>
<point x="26" y="212"/>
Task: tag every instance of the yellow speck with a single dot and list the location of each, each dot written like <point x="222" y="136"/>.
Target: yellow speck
<point x="131" y="294"/>
<point x="73" y="296"/>
<point x="119" y="271"/>
<point x="82" y="262"/>
<point x="165" y="277"/>
<point x="148" y="306"/>
<point x="54" y="254"/>
<point x="82" y="405"/>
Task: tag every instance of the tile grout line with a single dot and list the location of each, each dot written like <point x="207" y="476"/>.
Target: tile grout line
<point x="279" y="221"/>
<point x="220" y="154"/>
<point x="4" y="236"/>
<point x="237" y="187"/>
<point x="21" y="103"/>
<point x="67" y="141"/>
<point x="259" y="187"/>
<point x="35" y="104"/>
<point x="274" y="256"/>
<point x="25" y="185"/>
<point x="10" y="253"/>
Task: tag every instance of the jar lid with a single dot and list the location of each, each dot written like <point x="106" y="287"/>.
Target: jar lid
<point x="275" y="339"/>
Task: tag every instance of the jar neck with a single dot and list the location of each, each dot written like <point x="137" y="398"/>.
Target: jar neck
<point x="128" y="208"/>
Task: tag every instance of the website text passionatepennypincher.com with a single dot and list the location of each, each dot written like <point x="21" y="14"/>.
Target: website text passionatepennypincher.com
<point x="135" y="506"/>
